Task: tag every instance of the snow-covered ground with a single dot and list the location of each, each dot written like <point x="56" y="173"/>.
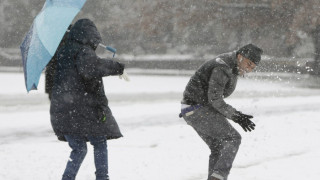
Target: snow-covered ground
<point x="157" y="145"/>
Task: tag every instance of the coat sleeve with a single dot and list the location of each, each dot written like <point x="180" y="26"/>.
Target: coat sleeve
<point x="91" y="66"/>
<point x="217" y="83"/>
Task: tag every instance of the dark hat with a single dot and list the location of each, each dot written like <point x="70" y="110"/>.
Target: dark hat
<point x="252" y="52"/>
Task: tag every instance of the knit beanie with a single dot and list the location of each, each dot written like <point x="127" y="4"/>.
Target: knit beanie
<point x="252" y="52"/>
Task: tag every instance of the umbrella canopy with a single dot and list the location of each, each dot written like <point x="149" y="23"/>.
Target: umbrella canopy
<point x="44" y="36"/>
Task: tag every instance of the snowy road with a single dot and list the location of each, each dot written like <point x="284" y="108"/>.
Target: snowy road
<point x="157" y="144"/>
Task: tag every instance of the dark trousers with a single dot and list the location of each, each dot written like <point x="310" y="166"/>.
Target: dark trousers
<point x="78" y="145"/>
<point x="222" y="139"/>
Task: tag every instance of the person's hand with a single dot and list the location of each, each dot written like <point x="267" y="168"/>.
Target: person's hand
<point x="121" y="69"/>
<point x="122" y="72"/>
<point x="244" y="121"/>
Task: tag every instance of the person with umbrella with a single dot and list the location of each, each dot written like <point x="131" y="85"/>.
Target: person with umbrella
<point x="79" y="107"/>
<point x="204" y="109"/>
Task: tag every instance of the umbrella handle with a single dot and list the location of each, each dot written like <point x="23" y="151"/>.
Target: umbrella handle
<point x="111" y="49"/>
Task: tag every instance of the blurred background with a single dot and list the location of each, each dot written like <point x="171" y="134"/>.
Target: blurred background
<point x="180" y="31"/>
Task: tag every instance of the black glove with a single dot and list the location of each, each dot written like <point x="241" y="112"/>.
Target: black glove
<point x="121" y="65"/>
<point x="244" y="121"/>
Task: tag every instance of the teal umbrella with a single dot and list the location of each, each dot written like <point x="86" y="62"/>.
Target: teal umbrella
<point x="44" y="36"/>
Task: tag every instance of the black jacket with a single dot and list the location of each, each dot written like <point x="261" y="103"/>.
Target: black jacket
<point x="79" y="105"/>
<point x="215" y="80"/>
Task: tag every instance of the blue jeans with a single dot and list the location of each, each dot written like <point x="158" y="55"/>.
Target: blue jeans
<point x="79" y="150"/>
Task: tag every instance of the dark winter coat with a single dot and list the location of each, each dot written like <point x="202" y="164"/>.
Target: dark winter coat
<point x="51" y="67"/>
<point x="215" y="80"/>
<point x="79" y="105"/>
<point x="49" y="75"/>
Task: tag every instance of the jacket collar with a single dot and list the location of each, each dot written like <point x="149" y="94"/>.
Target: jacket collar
<point x="230" y="59"/>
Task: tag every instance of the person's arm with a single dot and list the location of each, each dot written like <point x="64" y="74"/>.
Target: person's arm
<point x="91" y="66"/>
<point x="217" y="82"/>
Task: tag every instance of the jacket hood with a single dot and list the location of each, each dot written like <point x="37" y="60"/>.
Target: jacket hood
<point x="85" y="32"/>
